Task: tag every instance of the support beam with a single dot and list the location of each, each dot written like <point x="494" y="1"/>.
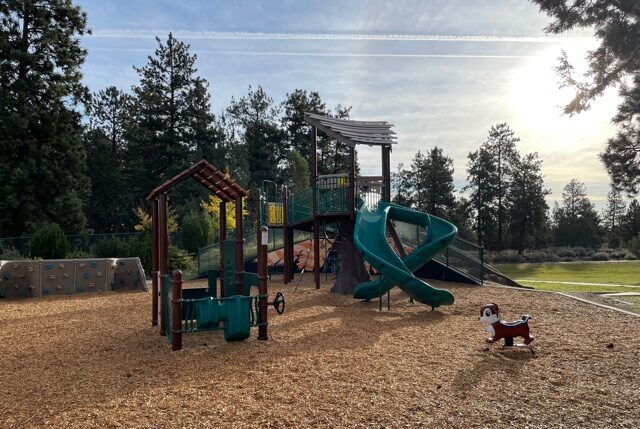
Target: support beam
<point x="263" y="238"/>
<point x="163" y="252"/>
<point x="352" y="182"/>
<point x="154" y="262"/>
<point x="288" y="253"/>
<point x="223" y="237"/>
<point x="239" y="246"/>
<point x="316" y="251"/>
<point x="176" y="311"/>
<point x="386" y="173"/>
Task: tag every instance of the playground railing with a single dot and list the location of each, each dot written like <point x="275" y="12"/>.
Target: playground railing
<point x="300" y="206"/>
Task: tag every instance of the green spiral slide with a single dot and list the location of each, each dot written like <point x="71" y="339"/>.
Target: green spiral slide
<point x="371" y="240"/>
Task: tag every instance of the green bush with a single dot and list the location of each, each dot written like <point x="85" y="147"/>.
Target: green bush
<point x="78" y="254"/>
<point x="112" y="248"/>
<point x="634" y="246"/>
<point x="9" y="253"/>
<point x="140" y="247"/>
<point x="49" y="242"/>
<point x="196" y="229"/>
<point x="599" y="256"/>
<point x="180" y="259"/>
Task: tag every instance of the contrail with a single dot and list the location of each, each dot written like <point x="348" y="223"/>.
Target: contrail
<point x="321" y="54"/>
<point x="224" y="35"/>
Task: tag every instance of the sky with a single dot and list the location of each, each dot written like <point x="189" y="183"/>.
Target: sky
<point x="443" y="72"/>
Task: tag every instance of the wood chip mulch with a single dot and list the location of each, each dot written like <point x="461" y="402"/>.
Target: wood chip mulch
<point x="94" y="361"/>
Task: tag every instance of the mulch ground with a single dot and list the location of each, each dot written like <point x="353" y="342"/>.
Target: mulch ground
<point x="95" y="361"/>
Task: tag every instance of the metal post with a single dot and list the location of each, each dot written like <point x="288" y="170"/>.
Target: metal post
<point x="386" y="172"/>
<point x="239" y="246"/>
<point x="316" y="252"/>
<point x="263" y="238"/>
<point x="163" y="251"/>
<point x="154" y="262"/>
<point x="352" y="182"/>
<point x="223" y="236"/>
<point x="176" y="311"/>
<point x="285" y="236"/>
<point x="482" y="265"/>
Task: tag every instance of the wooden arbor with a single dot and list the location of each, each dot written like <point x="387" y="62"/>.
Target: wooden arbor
<point x="219" y="184"/>
<point x="351" y="133"/>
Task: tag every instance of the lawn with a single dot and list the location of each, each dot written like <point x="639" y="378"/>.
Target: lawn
<point x="614" y="273"/>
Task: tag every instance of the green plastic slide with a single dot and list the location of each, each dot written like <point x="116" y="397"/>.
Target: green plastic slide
<point x="371" y="240"/>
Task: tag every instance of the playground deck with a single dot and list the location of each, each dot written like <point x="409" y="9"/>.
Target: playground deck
<point x="94" y="361"/>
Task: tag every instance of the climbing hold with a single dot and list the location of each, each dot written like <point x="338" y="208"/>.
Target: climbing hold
<point x="99" y="274"/>
<point x="66" y="275"/>
<point x="85" y="275"/>
<point x="128" y="271"/>
<point x="94" y="264"/>
<point x="21" y="276"/>
<point x="7" y="276"/>
<point x="92" y="285"/>
<point x="82" y="265"/>
<point x="30" y="269"/>
<point x="15" y="266"/>
<point x="58" y="287"/>
<point x="61" y="265"/>
<point x="52" y="276"/>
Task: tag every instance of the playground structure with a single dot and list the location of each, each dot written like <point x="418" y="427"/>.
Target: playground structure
<point x="232" y="308"/>
<point x="376" y="226"/>
<point x="35" y="278"/>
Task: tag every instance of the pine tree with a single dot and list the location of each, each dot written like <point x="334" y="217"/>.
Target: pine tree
<point x="256" y="120"/>
<point x="527" y="205"/>
<point x="613" y="215"/>
<point x="296" y="172"/>
<point x="402" y="187"/>
<point x="432" y="177"/>
<point x="42" y="159"/>
<point x="630" y="223"/>
<point x="172" y="123"/>
<point x="489" y="173"/>
<point x="109" y="207"/>
<point x="616" y="60"/>
<point x="576" y="223"/>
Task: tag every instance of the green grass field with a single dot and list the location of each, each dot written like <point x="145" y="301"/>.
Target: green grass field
<point x="615" y="273"/>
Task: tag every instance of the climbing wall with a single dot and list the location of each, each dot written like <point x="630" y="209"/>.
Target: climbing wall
<point x="19" y="279"/>
<point x="93" y="275"/>
<point x="58" y="276"/>
<point x="128" y="274"/>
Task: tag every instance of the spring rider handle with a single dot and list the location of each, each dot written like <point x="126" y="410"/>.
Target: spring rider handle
<point x="278" y="303"/>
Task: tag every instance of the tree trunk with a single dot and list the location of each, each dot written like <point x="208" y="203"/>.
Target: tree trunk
<point x="352" y="269"/>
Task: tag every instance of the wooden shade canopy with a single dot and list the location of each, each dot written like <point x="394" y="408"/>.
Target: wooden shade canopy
<point x="216" y="181"/>
<point x="352" y="133"/>
<point x="220" y="185"/>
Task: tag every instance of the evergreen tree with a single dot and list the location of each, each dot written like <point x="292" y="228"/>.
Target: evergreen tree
<point x="527" y="205"/>
<point x="256" y="119"/>
<point x="630" y="223"/>
<point x="460" y="215"/>
<point x="616" y="60"/>
<point x="613" y="215"/>
<point x="296" y="172"/>
<point x="109" y="207"/>
<point x="42" y="159"/>
<point x="432" y="177"/>
<point x="576" y="223"/>
<point x="402" y="187"/>
<point x="489" y="173"/>
<point x="172" y="123"/>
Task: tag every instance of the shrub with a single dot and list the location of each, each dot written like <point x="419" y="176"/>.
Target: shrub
<point x="49" y="242"/>
<point x="140" y="247"/>
<point x="195" y="231"/>
<point x="599" y="256"/>
<point x="111" y="248"/>
<point x="78" y="254"/>
<point x="179" y="259"/>
<point x="9" y="253"/>
<point x="634" y="246"/>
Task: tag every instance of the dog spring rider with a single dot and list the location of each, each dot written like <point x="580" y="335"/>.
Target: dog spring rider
<point x="497" y="329"/>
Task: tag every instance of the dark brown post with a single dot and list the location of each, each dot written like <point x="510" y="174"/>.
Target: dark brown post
<point x="263" y="239"/>
<point x="314" y="186"/>
<point x="386" y="172"/>
<point x="223" y="237"/>
<point x="285" y="237"/>
<point x="316" y="252"/>
<point x="176" y="311"/>
<point x="154" y="262"/>
<point x="239" y="246"/>
<point x="352" y="182"/>
<point x="163" y="252"/>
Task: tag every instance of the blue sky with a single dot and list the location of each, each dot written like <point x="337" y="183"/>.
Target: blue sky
<point x="442" y="71"/>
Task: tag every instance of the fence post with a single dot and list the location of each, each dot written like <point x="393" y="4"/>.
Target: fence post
<point x="176" y="311"/>
<point x="482" y="265"/>
<point x="263" y="240"/>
